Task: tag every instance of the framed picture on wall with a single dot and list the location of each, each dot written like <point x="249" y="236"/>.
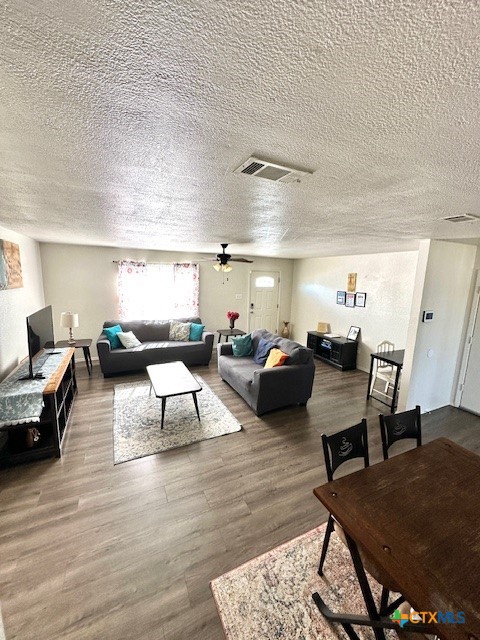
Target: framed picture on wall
<point x="360" y="299"/>
<point x="353" y="333"/>
<point x="340" y="297"/>
<point x="350" y="300"/>
<point x="352" y="282"/>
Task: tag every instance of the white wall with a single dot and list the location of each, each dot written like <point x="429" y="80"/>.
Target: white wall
<point x="386" y="278"/>
<point x="443" y="285"/>
<point x="16" y="304"/>
<point x="84" y="279"/>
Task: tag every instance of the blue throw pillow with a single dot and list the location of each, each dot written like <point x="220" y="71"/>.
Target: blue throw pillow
<point x="262" y="351"/>
<point x="196" y="331"/>
<point x="111" y="333"/>
<point x="242" y="346"/>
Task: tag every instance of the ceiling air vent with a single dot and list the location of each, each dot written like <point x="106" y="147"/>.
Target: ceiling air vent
<point x="270" y="171"/>
<point x="464" y="217"/>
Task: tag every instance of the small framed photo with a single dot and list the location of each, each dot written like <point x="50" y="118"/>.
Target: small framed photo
<point x="350" y="300"/>
<point x="341" y="297"/>
<point x="360" y="299"/>
<point x="353" y="333"/>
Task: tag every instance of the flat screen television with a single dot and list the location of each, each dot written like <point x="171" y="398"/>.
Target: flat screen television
<point x="41" y="341"/>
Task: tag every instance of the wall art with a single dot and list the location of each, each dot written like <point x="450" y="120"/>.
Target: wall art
<point x="10" y="267"/>
<point x="353" y="333"/>
<point x="352" y="282"/>
<point x="350" y="300"/>
<point x="360" y="299"/>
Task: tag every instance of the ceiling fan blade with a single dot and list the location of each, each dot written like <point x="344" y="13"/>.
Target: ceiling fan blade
<point x="223" y="258"/>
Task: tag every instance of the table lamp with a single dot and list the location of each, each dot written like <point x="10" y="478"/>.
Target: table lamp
<point x="69" y="320"/>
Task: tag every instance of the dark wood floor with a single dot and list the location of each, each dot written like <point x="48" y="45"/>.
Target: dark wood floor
<point x="93" y="551"/>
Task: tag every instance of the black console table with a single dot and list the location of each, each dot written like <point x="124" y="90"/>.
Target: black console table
<point x="395" y="359"/>
<point x="339" y="352"/>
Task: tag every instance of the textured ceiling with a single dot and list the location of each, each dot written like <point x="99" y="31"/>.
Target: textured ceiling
<point x="122" y="121"/>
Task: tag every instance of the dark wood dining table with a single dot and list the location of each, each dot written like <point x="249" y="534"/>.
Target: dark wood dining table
<point x="417" y="517"/>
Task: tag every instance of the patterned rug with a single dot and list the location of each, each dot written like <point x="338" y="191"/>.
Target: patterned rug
<point x="271" y="595"/>
<point x="137" y="417"/>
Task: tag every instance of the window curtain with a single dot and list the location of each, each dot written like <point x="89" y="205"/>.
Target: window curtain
<point x="157" y="291"/>
<point x="186" y="281"/>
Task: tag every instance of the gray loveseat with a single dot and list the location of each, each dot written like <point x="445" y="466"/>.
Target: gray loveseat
<point x="267" y="389"/>
<point x="155" y="347"/>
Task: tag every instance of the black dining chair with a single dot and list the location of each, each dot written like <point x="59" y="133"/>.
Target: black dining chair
<point x="399" y="426"/>
<point x="339" y="448"/>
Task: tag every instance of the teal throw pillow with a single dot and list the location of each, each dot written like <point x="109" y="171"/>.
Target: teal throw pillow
<point x="196" y="331"/>
<point x="263" y="349"/>
<point x="111" y="333"/>
<point x="242" y="346"/>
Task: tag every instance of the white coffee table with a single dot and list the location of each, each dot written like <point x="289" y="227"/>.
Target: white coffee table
<point x="172" y="379"/>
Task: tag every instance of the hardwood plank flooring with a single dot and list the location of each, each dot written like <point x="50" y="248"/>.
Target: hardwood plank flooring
<point x="90" y="550"/>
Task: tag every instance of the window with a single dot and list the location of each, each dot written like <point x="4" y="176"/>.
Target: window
<point x="157" y="291"/>
<point x="265" y="282"/>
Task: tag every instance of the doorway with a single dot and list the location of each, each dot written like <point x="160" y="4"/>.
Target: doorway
<point x="470" y="396"/>
<point x="263" y="300"/>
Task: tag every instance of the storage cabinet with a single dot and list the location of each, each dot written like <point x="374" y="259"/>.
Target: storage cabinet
<point x="339" y="352"/>
<point x="58" y="396"/>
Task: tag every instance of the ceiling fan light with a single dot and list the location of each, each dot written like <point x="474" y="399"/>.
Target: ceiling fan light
<point x="225" y="268"/>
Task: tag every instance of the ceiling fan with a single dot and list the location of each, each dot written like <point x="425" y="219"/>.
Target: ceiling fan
<point x="223" y="259"/>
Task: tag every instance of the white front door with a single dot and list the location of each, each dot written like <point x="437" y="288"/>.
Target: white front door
<point x="263" y="304"/>
<point x="470" y="399"/>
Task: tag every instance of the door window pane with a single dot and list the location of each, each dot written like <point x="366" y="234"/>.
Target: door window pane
<point x="265" y="282"/>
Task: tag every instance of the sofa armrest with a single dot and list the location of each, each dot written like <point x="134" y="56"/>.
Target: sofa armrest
<point x="103" y="345"/>
<point x="225" y="349"/>
<point x="207" y="337"/>
<point x="272" y="387"/>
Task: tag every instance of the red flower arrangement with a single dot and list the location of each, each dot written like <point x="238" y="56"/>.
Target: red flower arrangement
<point x="233" y="315"/>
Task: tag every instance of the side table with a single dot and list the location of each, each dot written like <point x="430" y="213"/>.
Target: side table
<point x="83" y="343"/>
<point x="228" y="333"/>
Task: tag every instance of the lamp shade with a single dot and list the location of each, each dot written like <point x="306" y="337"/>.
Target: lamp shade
<point x="69" y="319"/>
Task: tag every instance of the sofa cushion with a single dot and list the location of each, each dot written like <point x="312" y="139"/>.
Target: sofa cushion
<point x="149" y="330"/>
<point x="262" y="333"/>
<point x="238" y="372"/>
<point x="297" y="353"/>
<point x="196" y="331"/>
<point x="263" y="349"/>
<point x="242" y="346"/>
<point x="179" y="331"/>
<point x="111" y="333"/>
<point x="275" y="358"/>
<point x="128" y="339"/>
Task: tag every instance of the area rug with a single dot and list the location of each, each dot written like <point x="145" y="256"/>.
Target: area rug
<point x="137" y="417"/>
<point x="271" y="595"/>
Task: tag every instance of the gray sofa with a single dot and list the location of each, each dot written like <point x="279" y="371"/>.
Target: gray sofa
<point x="267" y="389"/>
<point x="155" y="347"/>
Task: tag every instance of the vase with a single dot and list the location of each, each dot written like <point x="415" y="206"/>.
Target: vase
<point x="286" y="330"/>
<point x="232" y="323"/>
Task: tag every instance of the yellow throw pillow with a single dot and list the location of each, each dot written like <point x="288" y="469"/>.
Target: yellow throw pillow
<point x="275" y="358"/>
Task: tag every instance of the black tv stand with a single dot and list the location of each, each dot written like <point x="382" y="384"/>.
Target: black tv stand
<point x="59" y="391"/>
<point x="340" y="352"/>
